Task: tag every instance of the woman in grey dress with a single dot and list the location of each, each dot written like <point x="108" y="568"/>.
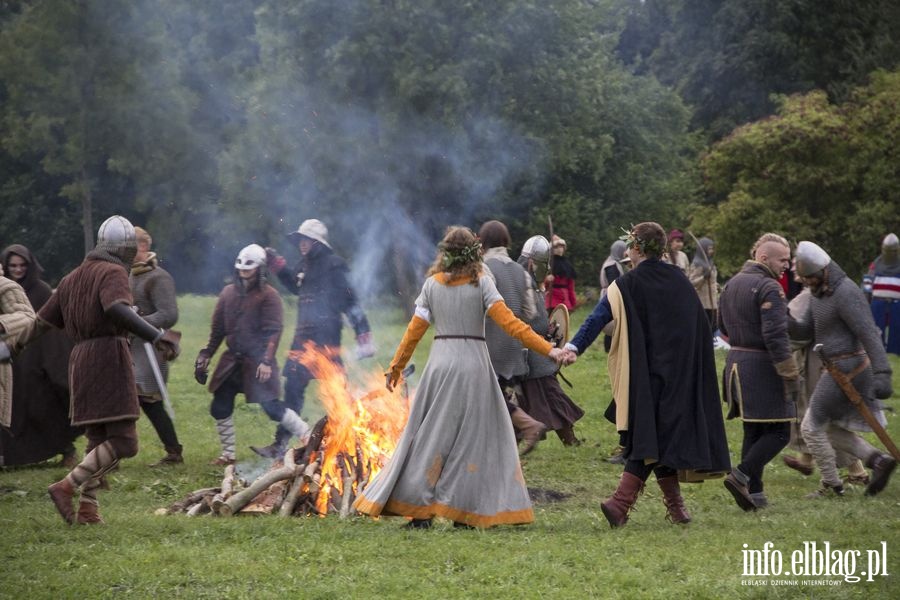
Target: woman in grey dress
<point x="457" y="456"/>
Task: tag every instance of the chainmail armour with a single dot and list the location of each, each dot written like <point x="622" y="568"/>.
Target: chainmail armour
<point x="843" y="324"/>
<point x="507" y="354"/>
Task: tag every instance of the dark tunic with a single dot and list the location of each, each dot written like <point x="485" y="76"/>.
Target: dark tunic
<point x="753" y="314"/>
<point x="40" y="426"/>
<point x="250" y="322"/>
<point x="101" y="378"/>
<point x="674" y="415"/>
<point x="323" y="294"/>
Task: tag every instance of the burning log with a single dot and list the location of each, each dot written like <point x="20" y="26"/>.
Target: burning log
<point x="315" y="439"/>
<point x="245" y="496"/>
<point x="347" y="498"/>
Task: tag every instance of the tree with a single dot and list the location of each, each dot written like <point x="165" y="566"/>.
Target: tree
<point x="727" y="57"/>
<point x="825" y="172"/>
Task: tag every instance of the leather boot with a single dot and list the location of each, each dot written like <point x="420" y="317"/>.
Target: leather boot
<point x="740" y="492"/>
<point x="530" y="429"/>
<point x="278" y="446"/>
<point x="617" y="456"/>
<point x="675" y="510"/>
<point x="567" y="436"/>
<point x="89" y="514"/>
<point x="797" y="464"/>
<point x="62" y="493"/>
<point x="69" y="459"/>
<point x="173" y="457"/>
<point x="617" y="507"/>
<point x="882" y="466"/>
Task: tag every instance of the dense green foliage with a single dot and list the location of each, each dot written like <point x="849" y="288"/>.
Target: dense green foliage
<point x="217" y="124"/>
<point x="728" y="57"/>
<point x="795" y="172"/>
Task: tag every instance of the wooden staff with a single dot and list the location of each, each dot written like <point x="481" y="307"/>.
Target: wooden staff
<point x="856" y="400"/>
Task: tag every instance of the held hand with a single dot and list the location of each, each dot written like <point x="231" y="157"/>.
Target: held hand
<point x="557" y="355"/>
<point x="263" y="372"/>
<point x="570" y="358"/>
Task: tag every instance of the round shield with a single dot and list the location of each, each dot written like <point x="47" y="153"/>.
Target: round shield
<point x="558" y="331"/>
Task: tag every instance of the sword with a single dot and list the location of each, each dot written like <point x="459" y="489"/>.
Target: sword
<point x="856" y="399"/>
<point x="158" y="376"/>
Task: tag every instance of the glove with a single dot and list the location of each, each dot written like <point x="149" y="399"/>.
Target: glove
<point x="882" y="385"/>
<point x="201" y="367"/>
<point x="792" y="389"/>
<point x="274" y="261"/>
<point x="5" y="353"/>
<point x="168" y="344"/>
<point x="364" y="346"/>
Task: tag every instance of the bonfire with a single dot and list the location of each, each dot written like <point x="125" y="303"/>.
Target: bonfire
<point x="345" y="450"/>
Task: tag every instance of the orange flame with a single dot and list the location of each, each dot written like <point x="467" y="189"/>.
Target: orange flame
<point x="364" y="423"/>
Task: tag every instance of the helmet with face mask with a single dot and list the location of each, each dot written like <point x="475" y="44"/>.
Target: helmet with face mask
<point x="537" y="249"/>
<point x="117" y="237"/>
<point x="250" y="257"/>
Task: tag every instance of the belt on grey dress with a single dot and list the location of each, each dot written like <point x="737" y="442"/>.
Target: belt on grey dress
<point x="459" y="337"/>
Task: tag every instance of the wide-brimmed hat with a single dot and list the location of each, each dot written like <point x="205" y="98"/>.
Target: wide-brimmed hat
<point x="313" y="229"/>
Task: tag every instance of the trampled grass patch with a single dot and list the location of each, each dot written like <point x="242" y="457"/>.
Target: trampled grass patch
<point x="569" y="551"/>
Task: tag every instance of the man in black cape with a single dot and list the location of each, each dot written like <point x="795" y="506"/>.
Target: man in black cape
<point x="662" y="362"/>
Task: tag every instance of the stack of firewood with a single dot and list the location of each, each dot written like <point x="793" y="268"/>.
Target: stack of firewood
<point x="290" y="487"/>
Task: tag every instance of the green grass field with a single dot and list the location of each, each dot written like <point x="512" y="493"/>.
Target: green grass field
<point x="569" y="552"/>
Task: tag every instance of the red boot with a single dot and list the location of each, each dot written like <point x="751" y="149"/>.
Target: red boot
<point x="616" y="508"/>
<point x="89" y="514"/>
<point x="62" y="493"/>
<point x="675" y="510"/>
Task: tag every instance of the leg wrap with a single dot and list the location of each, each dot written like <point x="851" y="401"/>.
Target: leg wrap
<point x="95" y="464"/>
<point x="293" y="423"/>
<point x="815" y="434"/>
<point x="225" y="427"/>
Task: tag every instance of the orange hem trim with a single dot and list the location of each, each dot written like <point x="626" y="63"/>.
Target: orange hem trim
<point x="395" y="508"/>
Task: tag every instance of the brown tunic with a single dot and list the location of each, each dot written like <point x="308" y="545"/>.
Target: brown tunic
<point x="250" y="322"/>
<point x="101" y="378"/>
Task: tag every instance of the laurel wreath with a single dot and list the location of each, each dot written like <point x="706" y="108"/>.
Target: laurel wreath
<point x="650" y="246"/>
<point x="460" y="256"/>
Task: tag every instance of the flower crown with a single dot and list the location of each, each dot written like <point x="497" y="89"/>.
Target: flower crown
<point x="460" y="256"/>
<point x="650" y="246"/>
